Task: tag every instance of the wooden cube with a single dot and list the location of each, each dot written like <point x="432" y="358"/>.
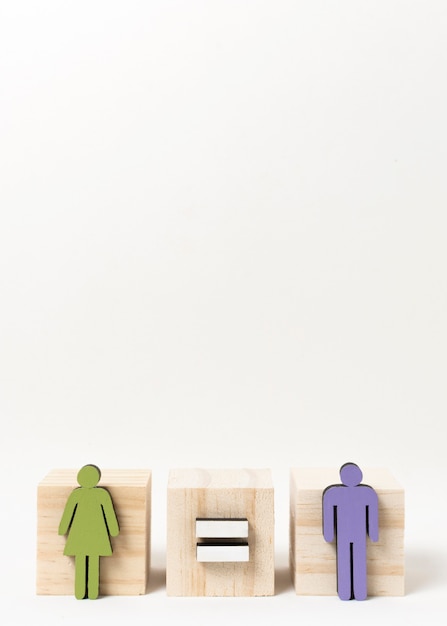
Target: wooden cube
<point x="126" y="571"/>
<point x="313" y="560"/>
<point x="215" y="495"/>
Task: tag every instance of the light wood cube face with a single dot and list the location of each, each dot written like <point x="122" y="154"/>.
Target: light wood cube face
<point x="313" y="560"/>
<point x="229" y="499"/>
<point x="126" y="571"/>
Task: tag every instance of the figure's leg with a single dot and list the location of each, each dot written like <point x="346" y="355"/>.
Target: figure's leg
<point x="80" y="576"/>
<point x="344" y="570"/>
<point x="93" y="577"/>
<point x="359" y="570"/>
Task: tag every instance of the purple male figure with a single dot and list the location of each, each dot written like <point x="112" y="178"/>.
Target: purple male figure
<point x="350" y="512"/>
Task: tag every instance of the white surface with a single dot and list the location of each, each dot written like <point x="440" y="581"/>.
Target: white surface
<point x="221" y="528"/>
<point x="222" y="243"/>
<point x="222" y="554"/>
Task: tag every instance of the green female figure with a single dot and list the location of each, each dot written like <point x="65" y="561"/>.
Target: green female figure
<point x="89" y="518"/>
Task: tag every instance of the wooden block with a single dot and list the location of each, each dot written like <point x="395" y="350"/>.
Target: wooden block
<point x="220" y="494"/>
<point x="313" y="560"/>
<point x="126" y="571"/>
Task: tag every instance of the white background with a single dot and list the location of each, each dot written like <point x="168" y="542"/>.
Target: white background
<point x="222" y="243"/>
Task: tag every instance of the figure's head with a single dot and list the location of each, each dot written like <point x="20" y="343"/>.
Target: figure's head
<point x="89" y="475"/>
<point x="350" y="474"/>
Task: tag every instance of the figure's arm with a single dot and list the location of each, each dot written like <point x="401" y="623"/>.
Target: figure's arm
<point x="68" y="514"/>
<point x="109" y="513"/>
<point x="373" y="515"/>
<point x="328" y="514"/>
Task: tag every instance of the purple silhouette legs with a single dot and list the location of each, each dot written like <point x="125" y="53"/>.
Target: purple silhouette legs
<point x="350" y="513"/>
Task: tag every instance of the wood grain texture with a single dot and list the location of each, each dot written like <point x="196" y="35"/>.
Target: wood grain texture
<point x="313" y="561"/>
<point x="197" y="493"/>
<point x="126" y="572"/>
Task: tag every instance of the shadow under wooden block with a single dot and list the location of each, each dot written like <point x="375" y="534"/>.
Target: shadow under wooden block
<point x="126" y="572"/>
<point x="313" y="560"/>
<point x="196" y="494"/>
